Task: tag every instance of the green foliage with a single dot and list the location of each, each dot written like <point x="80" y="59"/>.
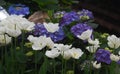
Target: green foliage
<point x="47" y="4"/>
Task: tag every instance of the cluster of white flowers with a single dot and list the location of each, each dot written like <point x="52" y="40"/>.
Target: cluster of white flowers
<point x="12" y="26"/>
<point x="56" y="49"/>
<point x="113" y="42"/>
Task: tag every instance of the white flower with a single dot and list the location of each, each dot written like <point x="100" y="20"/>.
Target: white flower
<point x="2" y="30"/>
<point x="113" y="41"/>
<point x="4" y="39"/>
<point x="19" y="21"/>
<point x="24" y="24"/>
<point x="95" y="65"/>
<point x="3" y="14"/>
<point x="32" y="39"/>
<point x="93" y="42"/>
<point x="13" y="32"/>
<point x="85" y="35"/>
<point x="64" y="50"/>
<point x="76" y="53"/>
<point x="51" y="27"/>
<point x="49" y="42"/>
<point x="66" y="54"/>
<point x="119" y="53"/>
<point x="114" y="57"/>
<point x="52" y="53"/>
<point x="93" y="48"/>
<point x="62" y="47"/>
<point x="40" y="42"/>
<point x="38" y="45"/>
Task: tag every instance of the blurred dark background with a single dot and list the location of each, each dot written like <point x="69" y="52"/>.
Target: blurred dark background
<point x="106" y="12"/>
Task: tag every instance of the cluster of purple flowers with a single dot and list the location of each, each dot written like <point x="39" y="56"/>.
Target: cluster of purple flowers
<point x="40" y="30"/>
<point x="19" y="9"/>
<point x="103" y="56"/>
<point x="79" y="28"/>
<point x="69" y="18"/>
<point x="85" y="14"/>
<point x="72" y="16"/>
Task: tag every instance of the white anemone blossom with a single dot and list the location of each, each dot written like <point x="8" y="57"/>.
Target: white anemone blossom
<point x="4" y="39"/>
<point x="21" y="22"/>
<point x="51" y="27"/>
<point x="32" y="39"/>
<point x="13" y="30"/>
<point x="94" y="45"/>
<point x="119" y="53"/>
<point x="76" y="53"/>
<point x="64" y="50"/>
<point x="62" y="47"/>
<point x="93" y="42"/>
<point x="85" y="35"/>
<point x="3" y="13"/>
<point x="2" y="30"/>
<point x="52" y="53"/>
<point x="40" y="42"/>
<point x="66" y="54"/>
<point x="92" y="48"/>
<point x="96" y="65"/>
<point x="113" y="41"/>
<point x="8" y="26"/>
<point x="114" y="57"/>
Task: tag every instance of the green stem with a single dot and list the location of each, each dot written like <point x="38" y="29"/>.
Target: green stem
<point x="35" y="63"/>
<point x="22" y="48"/>
<point x="65" y="66"/>
<point x="12" y="58"/>
<point x="62" y="66"/>
<point x="54" y="67"/>
<point x="74" y="67"/>
<point x="6" y="55"/>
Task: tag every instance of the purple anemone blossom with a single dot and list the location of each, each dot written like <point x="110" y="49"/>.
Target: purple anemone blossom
<point x="85" y="14"/>
<point x="40" y="30"/>
<point x="103" y="56"/>
<point x="79" y="28"/>
<point x="19" y="9"/>
<point x="69" y="18"/>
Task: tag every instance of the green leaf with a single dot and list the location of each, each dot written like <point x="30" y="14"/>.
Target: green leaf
<point x="38" y="56"/>
<point x="46" y="4"/>
<point x="1" y="68"/>
<point x="43" y="68"/>
<point x="21" y="57"/>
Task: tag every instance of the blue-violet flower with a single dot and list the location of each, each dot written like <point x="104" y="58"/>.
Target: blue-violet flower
<point x="103" y="56"/>
<point x="69" y="18"/>
<point x="19" y="9"/>
<point x="79" y="28"/>
<point x="40" y="30"/>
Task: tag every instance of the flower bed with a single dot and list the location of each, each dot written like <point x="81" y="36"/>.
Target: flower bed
<point x="66" y="43"/>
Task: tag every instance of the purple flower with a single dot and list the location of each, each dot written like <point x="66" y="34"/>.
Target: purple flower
<point x="103" y="56"/>
<point x="79" y="28"/>
<point x="85" y="14"/>
<point x="40" y="30"/>
<point x="19" y="9"/>
<point x="118" y="62"/>
<point x="69" y="18"/>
